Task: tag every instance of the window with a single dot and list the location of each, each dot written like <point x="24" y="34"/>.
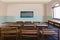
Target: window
<point x="56" y="13"/>
<point x="26" y="14"/>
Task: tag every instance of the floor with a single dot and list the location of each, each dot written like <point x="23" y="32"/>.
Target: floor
<point x="53" y="37"/>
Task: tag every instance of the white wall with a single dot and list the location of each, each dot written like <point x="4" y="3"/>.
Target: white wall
<point x="15" y="8"/>
<point x="3" y="8"/>
<point x="11" y="12"/>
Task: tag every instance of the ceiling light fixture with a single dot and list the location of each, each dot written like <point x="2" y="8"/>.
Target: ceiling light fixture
<point x="57" y="4"/>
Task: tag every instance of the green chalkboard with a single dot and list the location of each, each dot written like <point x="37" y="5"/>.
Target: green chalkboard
<point x="26" y="14"/>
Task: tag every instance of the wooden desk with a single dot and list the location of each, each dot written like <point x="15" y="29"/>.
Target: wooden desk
<point x="54" y="23"/>
<point x="40" y="26"/>
<point x="49" y="32"/>
<point x="29" y="26"/>
<point x="3" y="25"/>
<point x="29" y="33"/>
<point x="14" y="24"/>
<point x="9" y="32"/>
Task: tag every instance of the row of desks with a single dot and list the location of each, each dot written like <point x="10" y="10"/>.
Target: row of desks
<point x="43" y="32"/>
<point x="19" y="25"/>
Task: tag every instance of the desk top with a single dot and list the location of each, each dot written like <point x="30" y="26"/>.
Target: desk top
<point x="3" y="25"/>
<point x="14" y="24"/>
<point x="41" y="24"/>
<point x="38" y="24"/>
<point x="57" y="21"/>
<point x="29" y="25"/>
<point x="48" y="31"/>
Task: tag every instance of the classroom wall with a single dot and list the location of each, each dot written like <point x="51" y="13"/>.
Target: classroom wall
<point x="13" y="11"/>
<point x="2" y="11"/>
<point x="49" y="10"/>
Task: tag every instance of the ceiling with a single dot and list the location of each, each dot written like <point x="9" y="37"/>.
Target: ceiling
<point x="24" y="1"/>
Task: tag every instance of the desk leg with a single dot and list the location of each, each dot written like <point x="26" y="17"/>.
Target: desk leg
<point x="42" y="35"/>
